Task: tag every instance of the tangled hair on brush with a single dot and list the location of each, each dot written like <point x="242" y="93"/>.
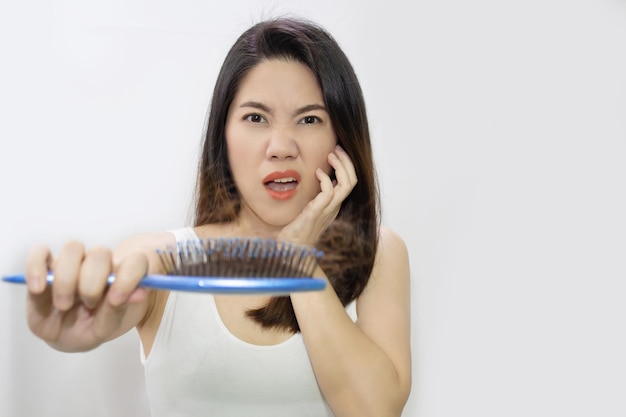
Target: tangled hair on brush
<point x="345" y="262"/>
<point x="350" y="243"/>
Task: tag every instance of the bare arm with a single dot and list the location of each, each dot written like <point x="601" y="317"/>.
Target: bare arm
<point x="364" y="368"/>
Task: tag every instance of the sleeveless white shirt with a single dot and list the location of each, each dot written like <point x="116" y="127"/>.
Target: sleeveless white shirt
<point x="196" y="367"/>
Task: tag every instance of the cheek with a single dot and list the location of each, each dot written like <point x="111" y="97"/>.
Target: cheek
<point x="327" y="168"/>
<point x="323" y="157"/>
<point x="230" y="151"/>
<point x="320" y="146"/>
<point x="237" y="150"/>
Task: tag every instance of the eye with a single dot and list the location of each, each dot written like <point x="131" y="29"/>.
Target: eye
<point x="255" y="118"/>
<point x="307" y="120"/>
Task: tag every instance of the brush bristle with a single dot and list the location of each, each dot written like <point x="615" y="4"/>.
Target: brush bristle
<point x="240" y="257"/>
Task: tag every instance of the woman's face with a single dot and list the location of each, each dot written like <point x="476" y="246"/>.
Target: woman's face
<point x="278" y="133"/>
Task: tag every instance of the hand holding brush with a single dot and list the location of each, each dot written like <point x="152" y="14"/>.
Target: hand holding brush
<point x="223" y="265"/>
<point x="80" y="299"/>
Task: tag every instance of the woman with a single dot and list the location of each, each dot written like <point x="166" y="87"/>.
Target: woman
<point x="287" y="156"/>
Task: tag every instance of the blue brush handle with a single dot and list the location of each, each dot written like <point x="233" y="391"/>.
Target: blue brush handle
<point x="215" y="285"/>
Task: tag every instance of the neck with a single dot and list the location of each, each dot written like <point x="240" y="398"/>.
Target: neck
<point x="249" y="224"/>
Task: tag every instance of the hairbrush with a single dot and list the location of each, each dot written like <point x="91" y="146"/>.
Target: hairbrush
<point x="231" y="266"/>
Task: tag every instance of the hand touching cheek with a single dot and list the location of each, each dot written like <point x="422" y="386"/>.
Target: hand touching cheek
<point x="318" y="214"/>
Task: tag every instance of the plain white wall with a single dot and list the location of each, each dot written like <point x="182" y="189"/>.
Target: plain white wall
<point x="500" y="138"/>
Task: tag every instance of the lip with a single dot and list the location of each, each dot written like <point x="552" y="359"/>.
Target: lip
<point x="281" y="195"/>
<point x="281" y="174"/>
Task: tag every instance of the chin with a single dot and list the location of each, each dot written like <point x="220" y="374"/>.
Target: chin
<point x="279" y="219"/>
<point x="278" y="215"/>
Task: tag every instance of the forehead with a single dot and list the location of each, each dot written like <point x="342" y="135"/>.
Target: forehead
<point x="278" y="80"/>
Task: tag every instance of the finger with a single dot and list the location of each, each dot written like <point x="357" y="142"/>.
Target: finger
<point x="66" y="271"/>
<point x="38" y="262"/>
<point x="94" y="274"/>
<point x="327" y="190"/>
<point x="39" y="308"/>
<point x="345" y="182"/>
<point x="123" y="293"/>
<point x="321" y="201"/>
<point x="109" y="318"/>
<point x="343" y="185"/>
<point x="348" y="165"/>
<point x="39" y="304"/>
<point x="127" y="278"/>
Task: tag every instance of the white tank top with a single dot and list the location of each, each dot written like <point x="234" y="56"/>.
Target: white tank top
<point x="198" y="368"/>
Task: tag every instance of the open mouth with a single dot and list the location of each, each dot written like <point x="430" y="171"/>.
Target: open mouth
<point x="282" y="185"/>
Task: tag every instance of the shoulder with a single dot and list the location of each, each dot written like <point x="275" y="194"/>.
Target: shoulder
<point x="390" y="243"/>
<point x="389" y="281"/>
<point x="392" y="257"/>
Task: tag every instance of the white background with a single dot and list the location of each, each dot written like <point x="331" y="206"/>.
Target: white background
<point x="500" y="136"/>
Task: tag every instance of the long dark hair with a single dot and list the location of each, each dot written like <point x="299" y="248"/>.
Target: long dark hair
<point x="350" y="243"/>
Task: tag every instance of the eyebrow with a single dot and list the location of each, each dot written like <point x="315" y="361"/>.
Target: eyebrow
<point x="304" y="109"/>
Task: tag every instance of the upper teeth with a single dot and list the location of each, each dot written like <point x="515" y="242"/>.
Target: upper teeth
<point x="290" y="179"/>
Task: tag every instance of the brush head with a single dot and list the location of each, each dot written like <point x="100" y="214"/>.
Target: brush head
<point x="240" y="257"/>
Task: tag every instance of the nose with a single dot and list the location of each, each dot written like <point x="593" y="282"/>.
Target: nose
<point x="281" y="145"/>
